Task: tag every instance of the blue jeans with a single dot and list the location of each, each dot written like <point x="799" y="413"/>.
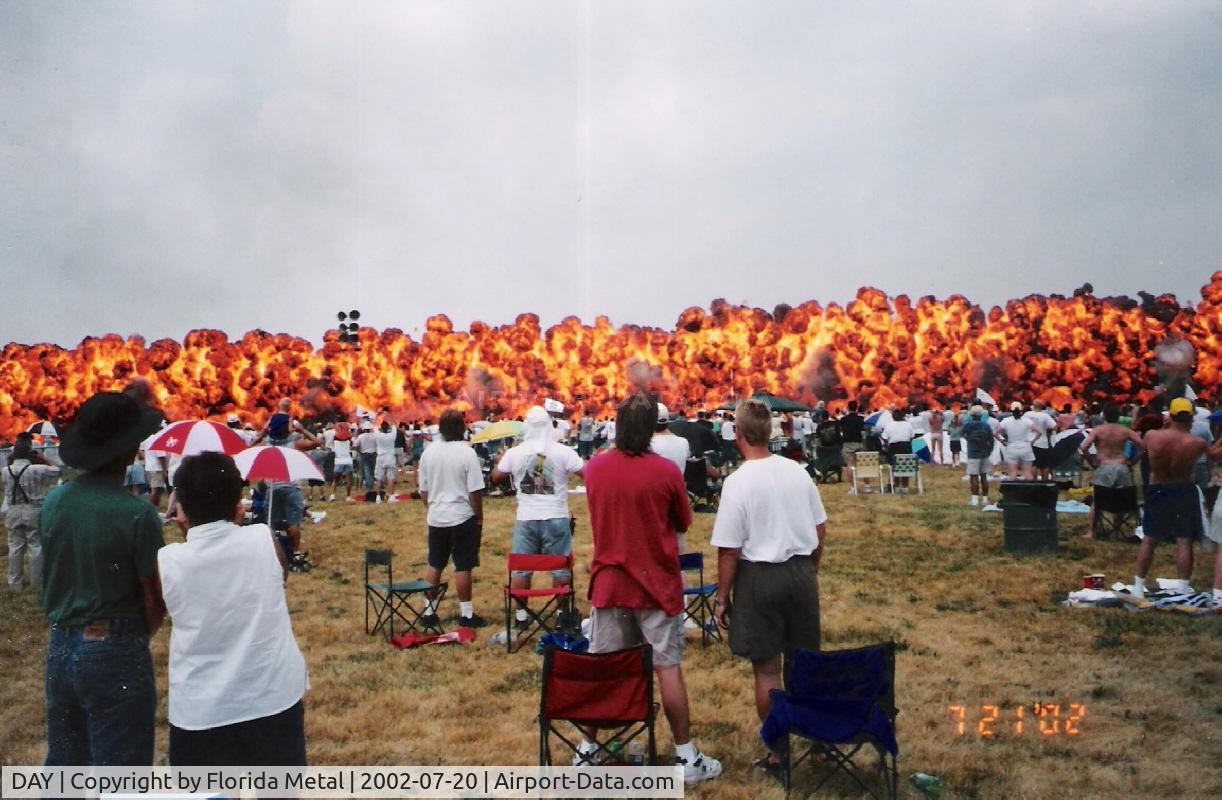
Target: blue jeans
<point x="101" y="697"/>
<point x="367" y="462"/>
<point x="543" y="537"/>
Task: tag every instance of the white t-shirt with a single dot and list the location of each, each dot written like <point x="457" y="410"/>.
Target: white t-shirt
<point x="898" y="430"/>
<point x="1042" y="424"/>
<point x="563" y="427"/>
<point x="1018" y="430"/>
<point x="233" y="656"/>
<point x="919" y="422"/>
<point x="449" y="472"/>
<point x="153" y="460"/>
<point x="541" y="478"/>
<point x="609" y="431"/>
<point x="884" y="419"/>
<point x="341" y="448"/>
<point x="385" y="446"/>
<point x="366" y="443"/>
<point x="674" y="449"/>
<point x="727" y="430"/>
<point x="769" y="509"/>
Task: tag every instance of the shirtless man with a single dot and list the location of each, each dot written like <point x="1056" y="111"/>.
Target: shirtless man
<point x="1113" y="468"/>
<point x="1174" y="508"/>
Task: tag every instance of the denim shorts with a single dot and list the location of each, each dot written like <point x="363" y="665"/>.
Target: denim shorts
<point x="553" y="537"/>
<point x="100" y="695"/>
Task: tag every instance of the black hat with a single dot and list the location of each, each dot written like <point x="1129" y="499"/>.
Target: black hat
<point x="107" y="426"/>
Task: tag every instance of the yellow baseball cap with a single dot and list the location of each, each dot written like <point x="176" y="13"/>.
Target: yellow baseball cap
<point x="1181" y="405"/>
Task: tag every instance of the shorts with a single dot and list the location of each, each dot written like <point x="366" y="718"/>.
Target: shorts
<point x="614" y="629"/>
<point x="776" y="608"/>
<point x="553" y="537"/>
<point x="1214" y="531"/>
<point x="342" y="469"/>
<point x="1173" y="511"/>
<point x="977" y="466"/>
<point x="1019" y="453"/>
<point x="956" y="446"/>
<point x="385" y="469"/>
<point x="276" y="739"/>
<point x="288" y="507"/>
<point x="1112" y="476"/>
<point x="850" y="448"/>
<point x="155" y="478"/>
<point x="1043" y="457"/>
<point x="460" y="542"/>
<point x="898" y="448"/>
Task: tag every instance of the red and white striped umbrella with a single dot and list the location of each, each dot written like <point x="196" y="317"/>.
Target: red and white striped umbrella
<point x="198" y="436"/>
<point x="276" y="464"/>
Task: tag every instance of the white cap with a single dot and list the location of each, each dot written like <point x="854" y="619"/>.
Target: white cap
<point x="663" y="414"/>
<point x="234" y="418"/>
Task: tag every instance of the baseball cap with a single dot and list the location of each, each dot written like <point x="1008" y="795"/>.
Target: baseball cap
<point x="233" y="418"/>
<point x="976" y="411"/>
<point x="663" y="414"/>
<point x="1016" y="406"/>
<point x="1181" y="405"/>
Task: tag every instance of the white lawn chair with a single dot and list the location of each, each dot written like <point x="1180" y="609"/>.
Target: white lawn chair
<point x="866" y="466"/>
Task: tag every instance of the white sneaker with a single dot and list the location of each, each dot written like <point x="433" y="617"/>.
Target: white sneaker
<point x="584" y="757"/>
<point x="332" y="498"/>
<point x="378" y="501"/>
<point x="350" y="499"/>
<point x="975" y="501"/>
<point x="394" y="498"/>
<point x="703" y="768"/>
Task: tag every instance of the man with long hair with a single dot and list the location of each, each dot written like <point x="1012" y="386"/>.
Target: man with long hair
<point x="638" y="506"/>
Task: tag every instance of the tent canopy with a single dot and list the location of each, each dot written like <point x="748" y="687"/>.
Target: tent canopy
<point x="782" y="404"/>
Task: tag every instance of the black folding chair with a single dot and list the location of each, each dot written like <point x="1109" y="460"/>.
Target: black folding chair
<point x="405" y="600"/>
<point x="1116" y="511"/>
<point x="698" y="598"/>
<point x="608" y="697"/>
<point x="836" y="703"/>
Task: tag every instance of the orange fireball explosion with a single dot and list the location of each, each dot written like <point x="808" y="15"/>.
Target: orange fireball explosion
<point x="1052" y="348"/>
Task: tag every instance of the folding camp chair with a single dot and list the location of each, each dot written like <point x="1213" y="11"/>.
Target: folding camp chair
<point x="698" y="599"/>
<point x="1116" y="511"/>
<point x="404" y="599"/>
<point x="559" y="598"/>
<point x="700" y="490"/>
<point x="906" y="465"/>
<point x="836" y="703"/>
<point x="866" y="466"/>
<point x="607" y="696"/>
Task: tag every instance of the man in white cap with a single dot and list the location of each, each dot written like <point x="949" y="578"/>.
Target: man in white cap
<point x="1016" y="435"/>
<point x="540" y="468"/>
<point x="674" y="449"/>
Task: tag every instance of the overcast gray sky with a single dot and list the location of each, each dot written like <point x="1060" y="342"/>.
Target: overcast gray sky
<point x="173" y="165"/>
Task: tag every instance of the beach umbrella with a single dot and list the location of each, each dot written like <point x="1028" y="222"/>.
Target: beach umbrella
<point x="774" y="403"/>
<point x="197" y="436"/>
<point x="42" y="428"/>
<point x="269" y="463"/>
<point x="504" y="429"/>
<point x="872" y="420"/>
<point x="920" y="448"/>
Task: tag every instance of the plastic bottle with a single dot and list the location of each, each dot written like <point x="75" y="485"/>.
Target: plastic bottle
<point x="928" y="785"/>
<point x="636" y="753"/>
<point x="615" y="752"/>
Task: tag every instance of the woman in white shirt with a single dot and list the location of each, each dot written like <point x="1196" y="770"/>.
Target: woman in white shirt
<point x="237" y="677"/>
<point x="897" y="438"/>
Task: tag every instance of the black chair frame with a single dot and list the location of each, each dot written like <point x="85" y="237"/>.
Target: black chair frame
<point x="390" y="600"/>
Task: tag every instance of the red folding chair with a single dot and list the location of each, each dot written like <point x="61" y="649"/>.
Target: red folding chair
<point x="559" y="598"/>
<point x="608" y="696"/>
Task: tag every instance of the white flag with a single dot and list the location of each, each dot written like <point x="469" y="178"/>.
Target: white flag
<point x="1189" y="394"/>
<point x="984" y="397"/>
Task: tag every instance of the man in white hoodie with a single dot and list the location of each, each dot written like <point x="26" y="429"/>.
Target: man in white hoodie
<point x="540" y="468"/>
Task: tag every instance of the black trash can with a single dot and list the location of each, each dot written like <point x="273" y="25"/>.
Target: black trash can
<point x="1029" y="517"/>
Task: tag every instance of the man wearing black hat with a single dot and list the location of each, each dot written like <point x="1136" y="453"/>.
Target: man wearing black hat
<point x="100" y="593"/>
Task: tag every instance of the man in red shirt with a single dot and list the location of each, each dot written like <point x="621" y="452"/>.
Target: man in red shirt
<point x="638" y="503"/>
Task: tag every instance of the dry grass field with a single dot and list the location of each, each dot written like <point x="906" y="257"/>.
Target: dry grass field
<point x="975" y="627"/>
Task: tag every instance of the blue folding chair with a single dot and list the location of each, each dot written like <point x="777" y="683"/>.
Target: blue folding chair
<point x="836" y="703"/>
<point x="698" y="599"/>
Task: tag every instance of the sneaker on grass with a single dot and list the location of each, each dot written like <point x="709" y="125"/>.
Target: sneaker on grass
<point x="473" y="621"/>
<point x="430" y="621"/>
<point x="701" y="768"/>
<point x="521" y="624"/>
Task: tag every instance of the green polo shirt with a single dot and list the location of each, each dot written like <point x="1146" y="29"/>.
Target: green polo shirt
<point x="97" y="541"/>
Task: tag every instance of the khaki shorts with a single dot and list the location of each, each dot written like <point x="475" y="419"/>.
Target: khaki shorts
<point x="155" y="478"/>
<point x="977" y="466"/>
<point x="614" y="629"/>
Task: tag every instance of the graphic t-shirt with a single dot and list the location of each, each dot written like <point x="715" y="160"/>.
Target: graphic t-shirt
<point x="541" y="477"/>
